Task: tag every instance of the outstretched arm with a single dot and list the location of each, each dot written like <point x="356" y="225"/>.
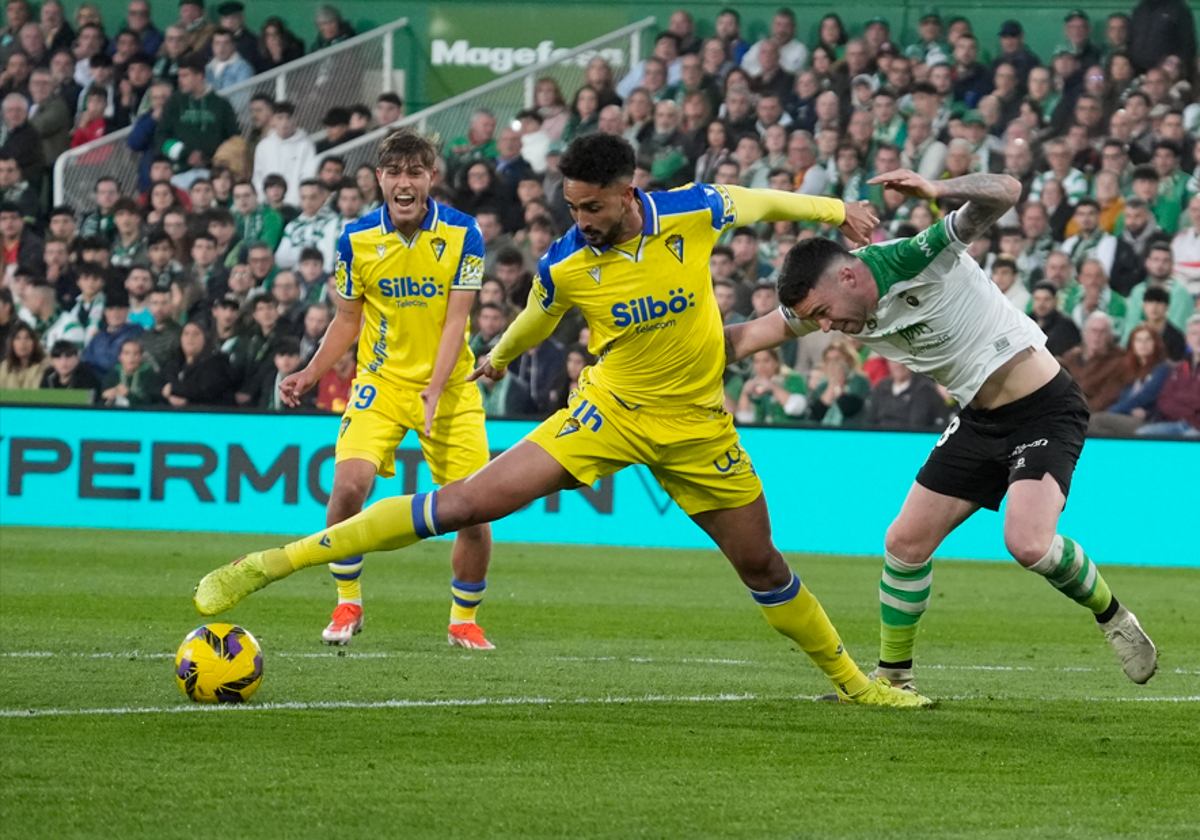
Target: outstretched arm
<point x="742" y="340"/>
<point x="988" y="197"/>
<point x="856" y="220"/>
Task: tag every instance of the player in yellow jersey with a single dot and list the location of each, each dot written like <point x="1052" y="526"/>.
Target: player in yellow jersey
<point x="637" y="266"/>
<point x="407" y="275"/>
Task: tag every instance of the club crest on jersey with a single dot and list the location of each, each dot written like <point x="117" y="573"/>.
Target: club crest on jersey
<point x="594" y="273"/>
<point x="381" y="250"/>
<point x="345" y="426"/>
<point x="439" y="247"/>
<point x="569" y="427"/>
<point x="675" y="246"/>
<point x="911" y="300"/>
<point x="872" y="323"/>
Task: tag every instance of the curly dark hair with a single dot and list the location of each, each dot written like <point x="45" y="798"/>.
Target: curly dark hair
<point x="407" y="145"/>
<point x="804" y="266"/>
<point x="601" y="159"/>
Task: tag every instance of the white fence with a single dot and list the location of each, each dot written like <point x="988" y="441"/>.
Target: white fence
<point x="354" y="71"/>
<point x="505" y="96"/>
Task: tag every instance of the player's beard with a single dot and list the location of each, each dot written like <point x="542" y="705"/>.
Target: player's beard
<point x="608" y="237"/>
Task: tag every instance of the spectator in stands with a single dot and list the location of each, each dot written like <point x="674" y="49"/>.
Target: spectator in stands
<point x="1185" y="248"/>
<point x="227" y="67"/>
<point x="331" y="28"/>
<point x="1179" y="400"/>
<point x="906" y="400"/>
<point x="665" y="58"/>
<point x="331" y="172"/>
<point x="1092" y="241"/>
<point x="1154" y="315"/>
<point x="66" y="373"/>
<point x="1172" y="184"/>
<point x="841" y="390"/>
<point x="389" y="108"/>
<point x="16" y="190"/>
<point x="89" y="42"/>
<point x="286" y="292"/>
<point x="199" y="31"/>
<point x="793" y="55"/>
<point x="1147" y="370"/>
<point x="161" y="199"/>
<point x="774" y="394"/>
<point x="255" y="222"/>
<point x="56" y="31"/>
<point x="251" y="353"/>
<point x="129" y="245"/>
<point x="337" y="125"/>
<point x="285" y="360"/>
<point x="1059" y="156"/>
<point x="263" y="269"/>
<point x="138" y="284"/>
<point x="287" y="151"/>
<point x="316" y="322"/>
<point x="174" y="47"/>
<point x="195" y="120"/>
<point x="161" y="339"/>
<point x="132" y="89"/>
<point x="139" y="23"/>
<point x="316" y="227"/>
<point x="21" y="140"/>
<point x="490" y="324"/>
<point x="199" y="376"/>
<point x="132" y="381"/>
<point x="24" y="360"/>
<point x="105" y="346"/>
<point x="1061" y="332"/>
<point x="277" y="44"/>
<point x="8" y="314"/>
<point x="39" y="308"/>
<point x="141" y="137"/>
<point x="665" y="147"/>
<point x="232" y="16"/>
<point x="90" y="124"/>
<point x="1092" y="293"/>
<point x="1004" y="275"/>
<point x="21" y="246"/>
<point x="50" y="115"/>
<point x="1098" y="364"/>
<point x="1158" y="28"/>
<point x="1159" y="268"/>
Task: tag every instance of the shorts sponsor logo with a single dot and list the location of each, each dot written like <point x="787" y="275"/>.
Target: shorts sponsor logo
<point x="733" y="462"/>
<point x="1031" y="445"/>
<point x="1001" y="345"/>
<point x="585" y="415"/>
<point x="471" y="273"/>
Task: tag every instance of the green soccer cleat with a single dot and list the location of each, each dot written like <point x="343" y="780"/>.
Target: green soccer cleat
<point x="222" y="588"/>
<point x="880" y="692"/>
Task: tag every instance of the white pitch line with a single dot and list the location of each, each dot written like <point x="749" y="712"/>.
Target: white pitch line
<point x="507" y="701"/>
<point x="637" y="660"/>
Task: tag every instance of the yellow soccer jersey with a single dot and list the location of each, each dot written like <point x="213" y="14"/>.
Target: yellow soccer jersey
<point x="649" y="302"/>
<point x="405" y="285"/>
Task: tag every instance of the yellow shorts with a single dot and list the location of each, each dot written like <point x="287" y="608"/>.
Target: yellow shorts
<point x="379" y="416"/>
<point x="694" y="453"/>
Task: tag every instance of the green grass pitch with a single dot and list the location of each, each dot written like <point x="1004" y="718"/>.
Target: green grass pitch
<point x="634" y="693"/>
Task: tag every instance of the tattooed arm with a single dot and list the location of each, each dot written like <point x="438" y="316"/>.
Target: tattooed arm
<point x="988" y="197"/>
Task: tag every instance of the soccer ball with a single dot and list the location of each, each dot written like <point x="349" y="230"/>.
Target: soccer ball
<point x="219" y="663"/>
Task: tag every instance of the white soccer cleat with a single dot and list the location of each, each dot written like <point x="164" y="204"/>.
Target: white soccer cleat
<point x="347" y="621"/>
<point x="1139" y="657"/>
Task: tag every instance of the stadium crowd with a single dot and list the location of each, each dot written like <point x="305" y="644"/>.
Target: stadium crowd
<point x="213" y="283"/>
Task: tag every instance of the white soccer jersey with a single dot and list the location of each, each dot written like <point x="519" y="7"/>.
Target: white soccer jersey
<point x="938" y="313"/>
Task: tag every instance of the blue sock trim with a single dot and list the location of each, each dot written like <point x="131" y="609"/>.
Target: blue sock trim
<point x="469" y="587"/>
<point x="349" y="561"/>
<point x="779" y="596"/>
<point x="418" y="515"/>
<point x="350" y="576"/>
<point x="463" y="602"/>
<point x="433" y="517"/>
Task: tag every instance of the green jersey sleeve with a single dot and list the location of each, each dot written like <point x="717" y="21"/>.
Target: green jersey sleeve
<point x="903" y="259"/>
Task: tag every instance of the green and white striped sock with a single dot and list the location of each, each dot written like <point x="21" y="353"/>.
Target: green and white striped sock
<point x="1070" y="571"/>
<point x="903" y="599"/>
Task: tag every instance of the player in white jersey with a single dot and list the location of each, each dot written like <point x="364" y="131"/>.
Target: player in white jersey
<point x="926" y="303"/>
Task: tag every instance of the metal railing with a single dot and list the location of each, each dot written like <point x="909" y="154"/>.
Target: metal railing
<point x="357" y="70"/>
<point x="505" y="96"/>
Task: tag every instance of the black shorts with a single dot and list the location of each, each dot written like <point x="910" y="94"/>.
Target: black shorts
<point x="982" y="452"/>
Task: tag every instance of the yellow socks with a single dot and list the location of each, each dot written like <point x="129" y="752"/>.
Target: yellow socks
<point x="795" y="612"/>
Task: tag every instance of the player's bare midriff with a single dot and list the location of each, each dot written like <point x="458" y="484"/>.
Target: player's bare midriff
<point x="1019" y="377"/>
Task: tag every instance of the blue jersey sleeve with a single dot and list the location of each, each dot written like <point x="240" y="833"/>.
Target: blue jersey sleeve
<point x="697" y="198"/>
<point x="347" y="285"/>
<point x="470" y="266"/>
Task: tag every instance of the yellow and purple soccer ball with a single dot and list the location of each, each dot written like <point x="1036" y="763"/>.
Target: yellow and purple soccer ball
<point x="219" y="663"/>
